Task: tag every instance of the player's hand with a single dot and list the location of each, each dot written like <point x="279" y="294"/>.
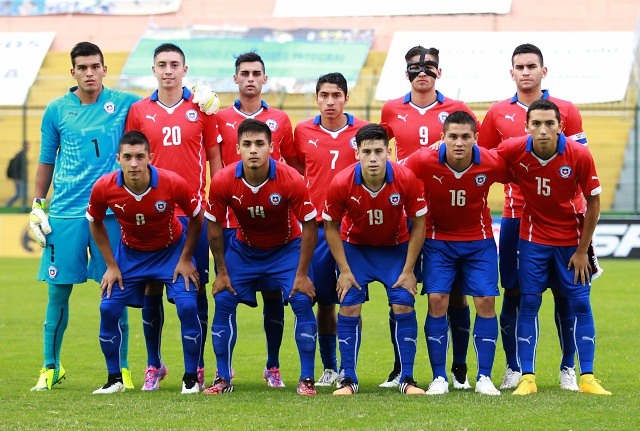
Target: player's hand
<point x="435" y="146"/>
<point x="346" y="281"/>
<point x="408" y="281"/>
<point x="112" y="275"/>
<point x="304" y="285"/>
<point x="206" y="98"/>
<point x="582" y="269"/>
<point x="188" y="271"/>
<point x="222" y="282"/>
<point x="38" y="221"/>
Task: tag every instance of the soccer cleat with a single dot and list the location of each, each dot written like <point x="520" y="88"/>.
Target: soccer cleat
<point x="393" y="380"/>
<point x="273" y="377"/>
<point x="328" y="378"/>
<point x="590" y="385"/>
<point x="527" y="385"/>
<point x="153" y="376"/>
<point x="459" y="373"/>
<point x="485" y="386"/>
<point x="349" y="387"/>
<point x="568" y="379"/>
<point x="110" y="388"/>
<point x="233" y="374"/>
<point x="49" y="377"/>
<point x="190" y="385"/>
<point x="439" y="386"/>
<point x="410" y="387"/>
<point x="126" y="378"/>
<point x="511" y="379"/>
<point x="200" y="373"/>
<point x="306" y="387"/>
<point x="219" y="386"/>
<point x="340" y="379"/>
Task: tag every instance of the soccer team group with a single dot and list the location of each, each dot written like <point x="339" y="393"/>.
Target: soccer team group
<point x="313" y="216"/>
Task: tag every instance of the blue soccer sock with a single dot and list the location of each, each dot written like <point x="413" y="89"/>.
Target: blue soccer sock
<point x="349" y="343"/>
<point x="508" y="321"/>
<point x="191" y="332"/>
<point x="527" y="331"/>
<point x="110" y="335"/>
<point x="55" y="323"/>
<point x="203" y="318"/>
<point x="273" y="321"/>
<point x="124" y="345"/>
<point x="585" y="333"/>
<point x="328" y="345"/>
<point x="460" y="323"/>
<point x="152" y="323"/>
<point x="436" y="330"/>
<point x="224" y="331"/>
<point x="407" y="341"/>
<point x="392" y="331"/>
<point x="485" y="340"/>
<point x="306" y="334"/>
<point x="564" y="324"/>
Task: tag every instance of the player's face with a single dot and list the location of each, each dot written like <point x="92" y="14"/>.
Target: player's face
<point x="89" y="73"/>
<point x="527" y="72"/>
<point x="373" y="156"/>
<point x="331" y="100"/>
<point x="134" y="160"/>
<point x="250" y="79"/>
<point x="255" y="149"/>
<point x="543" y="126"/>
<point x="424" y="82"/>
<point x="459" y="139"/>
<point x="169" y="69"/>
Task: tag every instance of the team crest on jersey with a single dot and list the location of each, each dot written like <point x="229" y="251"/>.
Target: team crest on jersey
<point x="161" y="206"/>
<point x="53" y="271"/>
<point x="275" y="199"/>
<point x="480" y="180"/>
<point x="394" y="199"/>
<point x="192" y="115"/>
<point x="352" y="143"/>
<point x="565" y="171"/>
<point x="109" y="107"/>
<point x="443" y="116"/>
<point x="273" y="124"/>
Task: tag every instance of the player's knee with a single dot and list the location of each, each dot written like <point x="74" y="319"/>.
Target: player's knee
<point x="110" y="313"/>
<point x="186" y="308"/>
<point x="580" y="306"/>
<point x="530" y="304"/>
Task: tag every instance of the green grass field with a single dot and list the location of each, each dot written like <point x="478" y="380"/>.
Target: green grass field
<point x="255" y="407"/>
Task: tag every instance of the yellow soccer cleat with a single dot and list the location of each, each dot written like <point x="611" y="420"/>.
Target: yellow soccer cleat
<point x="126" y="378"/>
<point x="527" y="385"/>
<point x="49" y="377"/>
<point x="590" y="385"/>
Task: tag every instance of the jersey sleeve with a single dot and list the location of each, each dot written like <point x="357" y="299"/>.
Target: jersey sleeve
<point x="97" y="207"/>
<point x="133" y="119"/>
<point x="385" y="119"/>
<point x="587" y="175"/>
<point x="188" y="201"/>
<point x="335" y="204"/>
<point x="216" y="201"/>
<point x="415" y="204"/>
<point x="50" y="136"/>
<point x="210" y="132"/>
<point x="287" y="148"/>
<point x="301" y="204"/>
<point x="488" y="133"/>
<point x="296" y="143"/>
<point x="573" y="129"/>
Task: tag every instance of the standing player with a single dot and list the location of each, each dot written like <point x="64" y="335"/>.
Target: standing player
<point x="506" y="119"/>
<point x="326" y="145"/>
<point x="375" y="194"/>
<point x="270" y="202"/>
<point x="182" y="140"/>
<point x="460" y="243"/>
<point x="251" y="77"/>
<point x="415" y="121"/>
<point x="153" y="247"/>
<point x="555" y="237"/>
<point x="80" y="134"/>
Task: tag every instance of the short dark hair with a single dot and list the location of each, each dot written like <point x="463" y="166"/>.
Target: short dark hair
<point x="528" y="48"/>
<point x="419" y="50"/>
<point x="249" y="57"/>
<point x="251" y="125"/>
<point x="544" y="105"/>
<point x="372" y="132"/>
<point x="169" y="47"/>
<point x="460" y="117"/>
<point x="85" y="49"/>
<point x="333" y="78"/>
<point x="134" y="137"/>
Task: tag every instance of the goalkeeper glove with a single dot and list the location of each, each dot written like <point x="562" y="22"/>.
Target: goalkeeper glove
<point x="38" y="221"/>
<point x="206" y="98"/>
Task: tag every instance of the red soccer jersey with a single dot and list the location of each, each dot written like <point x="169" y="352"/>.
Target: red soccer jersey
<point x="325" y="153"/>
<point x="415" y="127"/>
<point x="374" y="218"/>
<point x="148" y="221"/>
<point x="267" y="214"/>
<point x="550" y="215"/>
<point x="178" y="136"/>
<point x="507" y="119"/>
<point x="457" y="201"/>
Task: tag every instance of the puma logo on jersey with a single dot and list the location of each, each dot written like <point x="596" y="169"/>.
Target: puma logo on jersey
<point x="120" y="206"/>
<point x="438" y="178"/>
<point x="510" y="117"/>
<point x="353" y="198"/>
<point x="194" y="199"/>
<point x="403" y="118"/>
<point x="526" y="167"/>
<point x="232" y="125"/>
<point x="152" y="117"/>
<point x="239" y="199"/>
<point x="314" y="143"/>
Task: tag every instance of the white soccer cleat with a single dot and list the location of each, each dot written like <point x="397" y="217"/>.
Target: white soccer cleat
<point x="462" y="386"/>
<point x="110" y="388"/>
<point x="194" y="389"/>
<point x="328" y="378"/>
<point x="438" y="387"/>
<point x="485" y="386"/>
<point x="568" y="379"/>
<point x="392" y="382"/>
<point x="511" y="379"/>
